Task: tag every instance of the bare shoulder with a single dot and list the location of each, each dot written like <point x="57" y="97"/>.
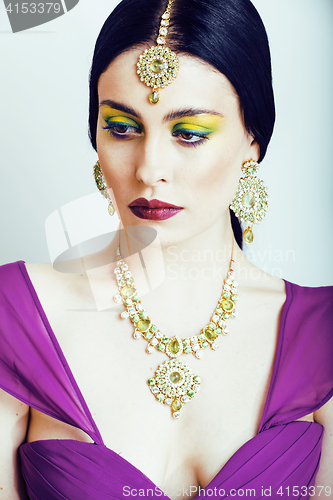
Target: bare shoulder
<point x="41" y="272"/>
<point x="262" y="289"/>
<point x="54" y="287"/>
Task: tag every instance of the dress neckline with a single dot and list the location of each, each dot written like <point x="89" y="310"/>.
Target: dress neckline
<point x="278" y="352"/>
<point x="277" y="356"/>
<point x="273" y="433"/>
<point x="60" y="354"/>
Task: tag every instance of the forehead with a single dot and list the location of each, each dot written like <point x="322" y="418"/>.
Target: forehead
<point x="198" y="85"/>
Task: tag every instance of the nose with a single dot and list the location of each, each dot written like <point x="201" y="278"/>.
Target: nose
<point x="152" y="165"/>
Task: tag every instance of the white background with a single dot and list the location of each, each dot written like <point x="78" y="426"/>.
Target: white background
<point x="46" y="158"/>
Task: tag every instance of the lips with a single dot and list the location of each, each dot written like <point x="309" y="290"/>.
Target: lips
<point x="153" y="209"/>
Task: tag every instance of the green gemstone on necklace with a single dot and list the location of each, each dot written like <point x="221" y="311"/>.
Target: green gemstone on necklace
<point x="151" y="381"/>
<point x="212" y="326"/>
<point x="143" y="325"/>
<point x="205" y="344"/>
<point x="227" y="305"/>
<point x="161" y="347"/>
<point x="186" y="341"/>
<point x="174" y="346"/>
<point x="176" y="405"/>
<point x="226" y="295"/>
<point x="191" y="394"/>
<point x="201" y="336"/>
<point x="210" y="334"/>
<point x="135" y="298"/>
<point x="165" y="340"/>
<point x="187" y="350"/>
<point x="127" y="292"/>
<point x="143" y="315"/>
<point x="160" y="397"/>
<point x="219" y="311"/>
<point x="121" y="283"/>
<point x="218" y="331"/>
<point x="175" y="377"/>
<point x="153" y="328"/>
<point x="148" y="335"/>
<point x="234" y="298"/>
<point x="226" y="316"/>
<point x="135" y="318"/>
<point x="197" y="379"/>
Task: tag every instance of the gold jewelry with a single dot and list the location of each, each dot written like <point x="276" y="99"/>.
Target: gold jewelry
<point x="250" y="203"/>
<point x="101" y="185"/>
<point x="174" y="383"/>
<point x="158" y="66"/>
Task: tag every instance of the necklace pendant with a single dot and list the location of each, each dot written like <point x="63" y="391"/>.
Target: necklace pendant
<point x="174" y="385"/>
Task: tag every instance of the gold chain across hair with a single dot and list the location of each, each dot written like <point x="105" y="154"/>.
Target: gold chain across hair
<point x="174" y="384"/>
<point x="158" y="66"/>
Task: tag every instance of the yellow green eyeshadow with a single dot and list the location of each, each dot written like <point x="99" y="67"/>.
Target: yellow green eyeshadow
<point x="204" y="124"/>
<point x="123" y="120"/>
<point x="186" y="127"/>
<point x="111" y="115"/>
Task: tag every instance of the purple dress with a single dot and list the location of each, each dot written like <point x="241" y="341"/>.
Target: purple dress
<point x="283" y="454"/>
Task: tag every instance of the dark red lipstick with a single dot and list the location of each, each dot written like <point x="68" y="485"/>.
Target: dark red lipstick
<point x="153" y="209"/>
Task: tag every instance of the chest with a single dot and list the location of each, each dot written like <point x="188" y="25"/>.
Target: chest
<point x="112" y="369"/>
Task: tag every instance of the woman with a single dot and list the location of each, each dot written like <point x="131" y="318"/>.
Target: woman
<point x="172" y="158"/>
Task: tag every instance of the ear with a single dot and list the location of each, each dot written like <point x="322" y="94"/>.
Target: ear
<point x="254" y="150"/>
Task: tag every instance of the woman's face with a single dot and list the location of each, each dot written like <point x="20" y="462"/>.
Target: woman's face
<point x="185" y="151"/>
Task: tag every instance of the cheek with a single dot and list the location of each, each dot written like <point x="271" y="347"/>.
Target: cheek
<point x="223" y="161"/>
<point x="215" y="175"/>
<point x="116" y="160"/>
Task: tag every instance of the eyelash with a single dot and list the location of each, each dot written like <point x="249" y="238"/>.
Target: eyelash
<point x="111" y="129"/>
<point x="187" y="143"/>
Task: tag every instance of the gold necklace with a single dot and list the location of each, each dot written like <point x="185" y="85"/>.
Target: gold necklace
<point x="174" y="383"/>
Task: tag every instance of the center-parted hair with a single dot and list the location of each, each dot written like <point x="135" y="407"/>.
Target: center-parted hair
<point x="228" y="34"/>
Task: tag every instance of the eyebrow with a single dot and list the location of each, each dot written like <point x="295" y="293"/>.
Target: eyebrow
<point x="173" y="115"/>
<point x="120" y="107"/>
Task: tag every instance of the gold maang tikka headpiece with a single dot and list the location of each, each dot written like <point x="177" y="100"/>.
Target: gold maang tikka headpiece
<point x="158" y="66"/>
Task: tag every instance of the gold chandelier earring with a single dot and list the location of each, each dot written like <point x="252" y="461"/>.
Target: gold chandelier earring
<point x="102" y="187"/>
<point x="250" y="203"/>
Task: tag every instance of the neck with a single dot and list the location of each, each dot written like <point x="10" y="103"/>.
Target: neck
<point x="203" y="257"/>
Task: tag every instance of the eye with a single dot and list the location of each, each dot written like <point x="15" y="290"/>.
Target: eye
<point x="122" y="130"/>
<point x="190" y="138"/>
